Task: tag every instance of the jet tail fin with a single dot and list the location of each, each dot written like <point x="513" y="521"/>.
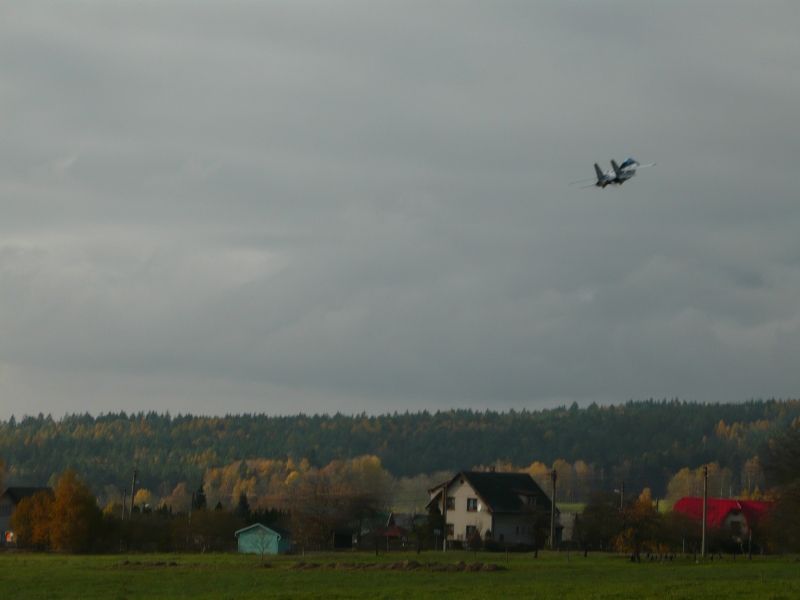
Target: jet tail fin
<point x="598" y="171"/>
<point x="616" y="168"/>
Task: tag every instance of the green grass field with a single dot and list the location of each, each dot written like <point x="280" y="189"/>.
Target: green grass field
<point x="550" y="576"/>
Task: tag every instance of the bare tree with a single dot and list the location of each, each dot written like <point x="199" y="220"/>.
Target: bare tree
<point x="263" y="542"/>
<point x="537" y="521"/>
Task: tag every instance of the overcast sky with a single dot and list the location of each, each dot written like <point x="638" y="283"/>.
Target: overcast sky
<point x="225" y="207"/>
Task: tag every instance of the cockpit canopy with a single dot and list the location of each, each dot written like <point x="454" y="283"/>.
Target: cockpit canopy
<point x="627" y="163"/>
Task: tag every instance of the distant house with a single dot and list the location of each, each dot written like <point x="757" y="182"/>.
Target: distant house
<point x="400" y="525"/>
<point x="8" y="504"/>
<point x="493" y="505"/>
<point x="571" y="528"/>
<point x="737" y="516"/>
<point x="263" y="539"/>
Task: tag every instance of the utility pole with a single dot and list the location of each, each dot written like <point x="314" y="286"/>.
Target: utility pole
<point x="133" y="492"/>
<point x="189" y="527"/>
<point x="122" y="520"/>
<point x="622" y="504"/>
<point x="553" y="477"/>
<point x="705" y="507"/>
<point x="683" y="549"/>
<point x="444" y="517"/>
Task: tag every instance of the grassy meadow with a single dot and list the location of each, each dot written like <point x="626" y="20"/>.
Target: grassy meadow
<point x="363" y="575"/>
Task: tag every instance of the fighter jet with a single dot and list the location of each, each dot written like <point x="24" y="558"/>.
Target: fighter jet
<point x="617" y="175"/>
<point x="627" y="170"/>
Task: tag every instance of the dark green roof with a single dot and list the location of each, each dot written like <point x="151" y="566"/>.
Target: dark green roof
<point x="501" y="491"/>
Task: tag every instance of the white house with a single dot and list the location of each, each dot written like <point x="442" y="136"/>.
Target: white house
<point x="498" y="506"/>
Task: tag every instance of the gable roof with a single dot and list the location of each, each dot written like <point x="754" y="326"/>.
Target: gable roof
<point x="406" y="520"/>
<point x="501" y="492"/>
<point x="719" y="508"/>
<point x="276" y="529"/>
<point x="16" y="494"/>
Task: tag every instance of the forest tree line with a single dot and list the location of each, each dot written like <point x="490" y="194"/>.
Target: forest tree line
<point x="647" y="444"/>
<point x="357" y="494"/>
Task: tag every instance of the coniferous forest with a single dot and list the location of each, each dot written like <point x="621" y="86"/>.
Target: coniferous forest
<point x="644" y="443"/>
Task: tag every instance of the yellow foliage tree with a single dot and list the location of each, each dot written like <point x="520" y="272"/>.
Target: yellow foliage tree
<point x="540" y="473"/>
<point x="76" y="518"/>
<point x="143" y="497"/>
<point x="180" y="499"/>
<point x="689" y="483"/>
<point x="641" y="522"/>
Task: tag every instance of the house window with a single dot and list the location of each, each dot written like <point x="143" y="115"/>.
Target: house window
<point x="472" y="504"/>
<point x="451" y="503"/>
<point x="471" y="529"/>
<point x="450" y="530"/>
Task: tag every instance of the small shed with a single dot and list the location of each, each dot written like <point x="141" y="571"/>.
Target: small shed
<point x="263" y="539"/>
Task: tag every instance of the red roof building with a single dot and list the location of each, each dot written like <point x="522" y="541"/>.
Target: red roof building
<point x="736" y="515"/>
<point x="395" y="532"/>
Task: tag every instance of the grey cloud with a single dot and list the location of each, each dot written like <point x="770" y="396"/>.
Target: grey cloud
<point x="215" y="207"/>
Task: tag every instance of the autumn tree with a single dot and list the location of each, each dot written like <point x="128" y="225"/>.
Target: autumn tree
<point x="782" y="468"/>
<point x="602" y="519"/>
<point x="215" y="528"/>
<point x="689" y="483"/>
<point x="679" y="532"/>
<point x="752" y="475"/>
<point x="32" y="519"/>
<point x="143" y="499"/>
<point x="640" y="526"/>
<point x="76" y="518"/>
<point x="342" y="494"/>
<point x="180" y="499"/>
<point x="316" y="507"/>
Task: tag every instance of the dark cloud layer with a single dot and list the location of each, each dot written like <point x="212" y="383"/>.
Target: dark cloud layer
<point x="275" y="207"/>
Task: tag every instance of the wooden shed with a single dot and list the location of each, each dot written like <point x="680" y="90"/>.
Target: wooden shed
<point x="263" y="539"/>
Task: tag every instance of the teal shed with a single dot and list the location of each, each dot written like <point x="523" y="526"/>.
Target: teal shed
<point x="263" y="539"/>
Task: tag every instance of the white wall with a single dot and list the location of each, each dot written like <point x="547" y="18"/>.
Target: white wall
<point x="460" y="517"/>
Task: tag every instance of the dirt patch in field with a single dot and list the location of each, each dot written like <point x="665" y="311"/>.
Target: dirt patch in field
<point x="408" y="565"/>
<point x="136" y="563"/>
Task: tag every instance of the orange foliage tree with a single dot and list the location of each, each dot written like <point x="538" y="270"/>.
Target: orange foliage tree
<point x="641" y="527"/>
<point x="31" y="521"/>
<point x="75" y="518"/>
